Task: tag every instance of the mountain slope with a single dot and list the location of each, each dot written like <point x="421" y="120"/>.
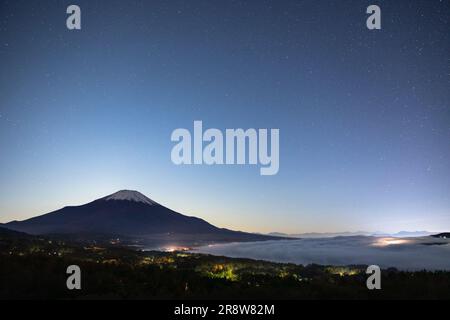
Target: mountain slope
<point x="127" y="213"/>
<point x="4" y="232"/>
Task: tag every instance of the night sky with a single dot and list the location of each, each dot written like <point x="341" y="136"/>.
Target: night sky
<point x="364" y="116"/>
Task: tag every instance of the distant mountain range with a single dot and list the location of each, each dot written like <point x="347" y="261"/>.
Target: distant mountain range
<point x="404" y="234"/>
<point x="401" y="234"/>
<point x="131" y="214"/>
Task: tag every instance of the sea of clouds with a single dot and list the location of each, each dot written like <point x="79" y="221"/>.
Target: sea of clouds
<point x="405" y="254"/>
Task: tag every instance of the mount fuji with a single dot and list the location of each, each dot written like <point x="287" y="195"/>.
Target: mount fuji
<point x="129" y="213"/>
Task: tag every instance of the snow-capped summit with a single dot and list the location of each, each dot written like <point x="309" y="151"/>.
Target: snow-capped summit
<point x="129" y="195"/>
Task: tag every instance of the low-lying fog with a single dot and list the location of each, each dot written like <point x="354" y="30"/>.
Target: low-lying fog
<point x="402" y="253"/>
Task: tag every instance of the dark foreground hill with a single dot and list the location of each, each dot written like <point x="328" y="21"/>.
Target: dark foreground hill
<point x="445" y="235"/>
<point x="36" y="268"/>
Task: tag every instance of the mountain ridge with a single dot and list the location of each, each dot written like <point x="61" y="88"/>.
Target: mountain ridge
<point x="400" y="234"/>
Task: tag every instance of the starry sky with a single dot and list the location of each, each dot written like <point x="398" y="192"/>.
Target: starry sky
<point x="364" y="116"/>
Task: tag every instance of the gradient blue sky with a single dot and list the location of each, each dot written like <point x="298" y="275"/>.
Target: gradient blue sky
<point x="364" y="116"/>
